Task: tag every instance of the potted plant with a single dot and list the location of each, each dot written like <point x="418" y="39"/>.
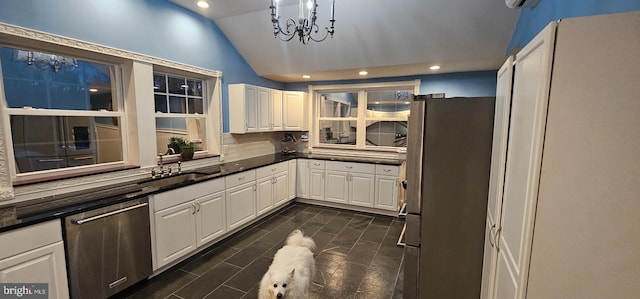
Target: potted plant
<point x="182" y="147"/>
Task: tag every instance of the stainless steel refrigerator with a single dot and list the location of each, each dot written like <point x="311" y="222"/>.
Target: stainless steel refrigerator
<point x="448" y="165"/>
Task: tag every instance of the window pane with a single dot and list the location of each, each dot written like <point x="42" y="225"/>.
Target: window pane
<point x="388" y="103"/>
<point x="387" y="133"/>
<point x="194" y="88"/>
<point x="177" y="104"/>
<point x="339" y="105"/>
<point x="337" y="132"/>
<point x="161" y="103"/>
<point x="177" y="85"/>
<point x="42" y="80"/>
<point x="51" y="142"/>
<point x="195" y="106"/>
<point x="159" y="83"/>
<point x="190" y="129"/>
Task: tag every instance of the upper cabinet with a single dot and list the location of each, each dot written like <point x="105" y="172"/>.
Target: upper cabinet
<point x="260" y="109"/>
<point x="293" y="111"/>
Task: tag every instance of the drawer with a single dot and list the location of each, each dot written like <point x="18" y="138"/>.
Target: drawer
<point x="351" y="167"/>
<point x="239" y="178"/>
<point x="30" y="237"/>
<point x="181" y="195"/>
<point x="391" y="170"/>
<point x="316" y="164"/>
<point x="272" y="169"/>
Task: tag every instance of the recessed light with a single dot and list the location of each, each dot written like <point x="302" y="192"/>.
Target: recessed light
<point x="202" y="4"/>
<point x="93" y="89"/>
<point x="363" y="73"/>
<point x="306" y="76"/>
<point x="434" y="67"/>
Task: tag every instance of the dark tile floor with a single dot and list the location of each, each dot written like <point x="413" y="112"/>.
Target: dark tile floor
<point x="356" y="257"/>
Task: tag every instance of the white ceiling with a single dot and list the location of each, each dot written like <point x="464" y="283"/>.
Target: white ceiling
<point x="386" y="38"/>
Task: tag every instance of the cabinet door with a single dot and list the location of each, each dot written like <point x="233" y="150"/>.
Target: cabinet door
<point x="41" y="265"/>
<point x="265" y="110"/>
<point x="316" y="184"/>
<point x="292" y="178"/>
<point x="496" y="178"/>
<point x="264" y="194"/>
<point x="210" y="219"/>
<point x="293" y="116"/>
<point x="336" y="186"/>
<point x="251" y="108"/>
<point x="526" y="133"/>
<point x="386" y="194"/>
<point x="281" y="188"/>
<point x="361" y="189"/>
<point x="276" y="107"/>
<point x="241" y="201"/>
<point x="302" y="180"/>
<point x="175" y="231"/>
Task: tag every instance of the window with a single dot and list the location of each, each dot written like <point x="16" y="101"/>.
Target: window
<point x="180" y="107"/>
<point x="363" y="116"/>
<point x="62" y="112"/>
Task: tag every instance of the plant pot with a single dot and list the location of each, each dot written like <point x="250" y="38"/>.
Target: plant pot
<point x="174" y="147"/>
<point x="186" y="152"/>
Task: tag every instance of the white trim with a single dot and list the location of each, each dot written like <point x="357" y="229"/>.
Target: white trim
<point x="17" y="31"/>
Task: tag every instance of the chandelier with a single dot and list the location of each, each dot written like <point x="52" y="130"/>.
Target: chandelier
<point x="305" y="27"/>
<point x="44" y="61"/>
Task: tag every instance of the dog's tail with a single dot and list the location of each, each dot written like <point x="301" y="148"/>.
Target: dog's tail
<point x="296" y="238"/>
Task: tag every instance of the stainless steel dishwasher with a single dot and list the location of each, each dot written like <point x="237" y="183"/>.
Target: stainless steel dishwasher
<point x="109" y="248"/>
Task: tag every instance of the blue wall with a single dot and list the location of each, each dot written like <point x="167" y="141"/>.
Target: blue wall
<point x="468" y="84"/>
<point x="153" y="27"/>
<point x="532" y="20"/>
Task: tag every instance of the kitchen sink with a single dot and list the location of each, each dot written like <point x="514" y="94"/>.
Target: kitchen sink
<point x="173" y="179"/>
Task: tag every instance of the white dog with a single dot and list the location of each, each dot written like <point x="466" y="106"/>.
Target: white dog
<point x="291" y="271"/>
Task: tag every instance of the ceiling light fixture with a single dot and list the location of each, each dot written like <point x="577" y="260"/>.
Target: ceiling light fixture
<point x="306" y="76"/>
<point x="202" y="4"/>
<point x="304" y="27"/>
<point x="45" y="61"/>
<point x="434" y="67"/>
<point x="363" y="73"/>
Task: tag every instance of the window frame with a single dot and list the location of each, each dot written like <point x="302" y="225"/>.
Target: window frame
<point x="120" y="113"/>
<point x="361" y="89"/>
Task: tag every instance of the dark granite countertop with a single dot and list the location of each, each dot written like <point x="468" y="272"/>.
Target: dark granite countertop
<point x="57" y="206"/>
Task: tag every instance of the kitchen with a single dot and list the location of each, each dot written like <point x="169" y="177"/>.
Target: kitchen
<point x="230" y="147"/>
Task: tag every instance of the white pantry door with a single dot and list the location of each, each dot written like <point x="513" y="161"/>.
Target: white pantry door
<point x="526" y="135"/>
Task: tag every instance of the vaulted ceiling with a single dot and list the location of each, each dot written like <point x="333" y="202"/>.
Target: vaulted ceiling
<point x="385" y="38"/>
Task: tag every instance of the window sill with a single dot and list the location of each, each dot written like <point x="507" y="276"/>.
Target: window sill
<point x="22" y="181"/>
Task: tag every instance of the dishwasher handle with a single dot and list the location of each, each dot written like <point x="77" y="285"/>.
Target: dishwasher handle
<point x="85" y="220"/>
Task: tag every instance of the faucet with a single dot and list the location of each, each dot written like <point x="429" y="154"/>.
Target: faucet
<point x="161" y="172"/>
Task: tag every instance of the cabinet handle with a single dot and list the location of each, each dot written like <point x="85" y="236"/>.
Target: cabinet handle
<point x="349" y="167"/>
<point x="491" y="236"/>
<point x="497" y="238"/>
<point x="273" y="169"/>
<point x="241" y="178"/>
<point x="199" y="206"/>
<point x="193" y="205"/>
<point x="386" y="170"/>
<point x="255" y="188"/>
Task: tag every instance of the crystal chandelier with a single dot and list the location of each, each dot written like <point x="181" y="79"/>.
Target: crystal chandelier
<point x="305" y="27"/>
<point x="43" y="61"/>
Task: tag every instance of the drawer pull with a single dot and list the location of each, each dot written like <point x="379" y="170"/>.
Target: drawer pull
<point x="386" y="170"/>
<point x="349" y="167"/>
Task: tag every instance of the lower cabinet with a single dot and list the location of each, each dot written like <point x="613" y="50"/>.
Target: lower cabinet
<point x="281" y="188"/>
<point x="182" y="223"/>
<point x="35" y="254"/>
<point x="361" y="189"/>
<point x="350" y="183"/>
<point x="302" y="178"/>
<point x="386" y="192"/>
<point x="293" y="167"/>
<point x="241" y="204"/>
<point x="316" y="179"/>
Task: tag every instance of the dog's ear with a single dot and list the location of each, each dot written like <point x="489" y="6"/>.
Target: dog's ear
<point x="291" y="273"/>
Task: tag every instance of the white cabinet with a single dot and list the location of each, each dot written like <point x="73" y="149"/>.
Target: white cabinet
<point x="316" y="179"/>
<point x="35" y="254"/>
<point x="293" y="166"/>
<point x="350" y="183"/>
<point x="568" y="226"/>
<point x="243" y="108"/>
<point x="302" y="178"/>
<point x="496" y="179"/>
<point x="272" y="186"/>
<point x="241" y="198"/>
<point x="254" y="109"/>
<point x="293" y="111"/>
<point x="386" y="193"/>
<point x="185" y="219"/>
